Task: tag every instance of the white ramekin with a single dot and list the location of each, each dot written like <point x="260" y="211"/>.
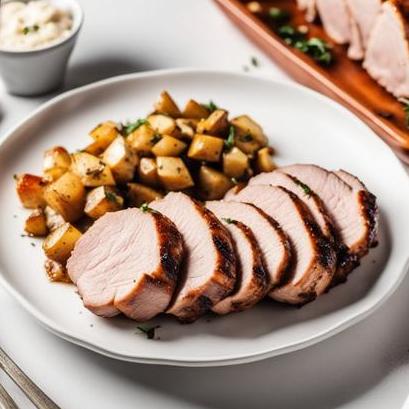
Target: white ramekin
<point x="42" y="70"/>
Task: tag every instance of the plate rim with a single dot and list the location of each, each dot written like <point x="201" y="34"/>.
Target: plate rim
<point x="332" y="330"/>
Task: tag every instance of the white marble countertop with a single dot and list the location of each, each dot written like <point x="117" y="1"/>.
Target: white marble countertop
<point x="366" y="366"/>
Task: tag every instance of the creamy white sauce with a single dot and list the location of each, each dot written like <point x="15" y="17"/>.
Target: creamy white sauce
<point x="32" y="25"/>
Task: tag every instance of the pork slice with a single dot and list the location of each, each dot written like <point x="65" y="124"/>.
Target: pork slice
<point x="252" y="280"/>
<point x="314" y="258"/>
<point x="128" y="262"/>
<point x="209" y="272"/>
<point x="369" y="203"/>
<point x="387" y="52"/>
<point x="273" y="242"/>
<point x="347" y="208"/>
<point x="308" y="196"/>
<point x="364" y="13"/>
<point x="340" y="25"/>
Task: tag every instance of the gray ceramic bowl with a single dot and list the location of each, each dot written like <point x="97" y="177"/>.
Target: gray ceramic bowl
<point x="40" y="71"/>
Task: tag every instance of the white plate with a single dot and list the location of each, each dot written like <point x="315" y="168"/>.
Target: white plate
<point x="302" y="125"/>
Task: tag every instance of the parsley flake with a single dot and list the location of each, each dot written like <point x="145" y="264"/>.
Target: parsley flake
<point x="145" y="207"/>
<point x="229" y="142"/>
<point x="211" y="106"/>
<point x="278" y="15"/>
<point x="228" y="220"/>
<point x="149" y="331"/>
<point x="304" y="187"/>
<point x="133" y="126"/>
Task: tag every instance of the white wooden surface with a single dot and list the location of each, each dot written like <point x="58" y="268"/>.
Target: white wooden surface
<point x="367" y="366"/>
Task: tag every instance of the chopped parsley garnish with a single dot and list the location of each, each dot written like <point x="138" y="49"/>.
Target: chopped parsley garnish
<point x="111" y="196"/>
<point x="145" y="207"/>
<point x="228" y="220"/>
<point x="30" y="29"/>
<point x="278" y="15"/>
<point x="405" y="103"/>
<point x="229" y="142"/>
<point x="155" y="139"/>
<point x="149" y="331"/>
<point x="133" y="126"/>
<point x="211" y="106"/>
<point x="304" y="187"/>
<point x="246" y="138"/>
<point x="254" y="62"/>
<point x="15" y="176"/>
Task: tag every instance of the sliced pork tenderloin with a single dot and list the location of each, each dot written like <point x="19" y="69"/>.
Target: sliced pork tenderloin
<point x="314" y="258"/>
<point x="368" y="198"/>
<point x="309" y="197"/>
<point x="128" y="262"/>
<point x="209" y="272"/>
<point x="364" y="13"/>
<point x="349" y="209"/>
<point x="252" y="280"/>
<point x="387" y="53"/>
<point x="273" y="242"/>
<point x="340" y="26"/>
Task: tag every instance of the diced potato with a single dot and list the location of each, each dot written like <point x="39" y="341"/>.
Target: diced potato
<point x="30" y="190"/>
<point x="56" y="162"/>
<point x="122" y="161"/>
<point x="59" y="244"/>
<point x="213" y="184"/>
<point x="168" y="146"/>
<point x="139" y="194"/>
<point x="166" y="105"/>
<point x="187" y="127"/>
<point x="247" y="144"/>
<point x="162" y="124"/>
<point x="66" y="196"/>
<point x="52" y="218"/>
<point x="216" y="124"/>
<point x="94" y="148"/>
<point x="56" y="271"/>
<point x="101" y="200"/>
<point x="142" y="139"/>
<point x="195" y="110"/>
<point x="173" y="173"/>
<point x="235" y="163"/>
<point x="244" y="125"/>
<point x="92" y="170"/>
<point x="104" y="134"/>
<point x="148" y="172"/>
<point x="264" y="161"/>
<point x="206" y="147"/>
<point x="36" y="224"/>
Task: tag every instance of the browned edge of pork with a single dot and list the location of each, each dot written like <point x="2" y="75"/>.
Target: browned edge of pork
<point x="224" y="277"/>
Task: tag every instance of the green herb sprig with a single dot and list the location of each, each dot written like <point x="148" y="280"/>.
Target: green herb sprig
<point x="133" y="126"/>
<point x="229" y="142"/>
<point x="30" y="29"/>
<point x="211" y="106"/>
<point x="148" y="331"/>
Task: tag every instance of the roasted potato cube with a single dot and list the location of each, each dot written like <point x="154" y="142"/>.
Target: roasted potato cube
<point x="148" y="172"/>
<point x="162" y="124"/>
<point x="30" y="189"/>
<point x="53" y="219"/>
<point x="187" y="127"/>
<point x="173" y="173"/>
<point x="59" y="244"/>
<point x="264" y="161"/>
<point x="168" y="146"/>
<point x="56" y="271"/>
<point x="56" y="162"/>
<point x="36" y="224"/>
<point x="92" y="170"/>
<point x="139" y="194"/>
<point x="122" y="161"/>
<point x="101" y="200"/>
<point x="235" y="163"/>
<point x="104" y="134"/>
<point x="195" y="110"/>
<point x="166" y="105"/>
<point x="248" y="130"/>
<point x="142" y="139"/>
<point x="206" y="147"/>
<point x="93" y="148"/>
<point x="247" y="144"/>
<point x="216" y="124"/>
<point x="213" y="184"/>
<point x="66" y="196"/>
